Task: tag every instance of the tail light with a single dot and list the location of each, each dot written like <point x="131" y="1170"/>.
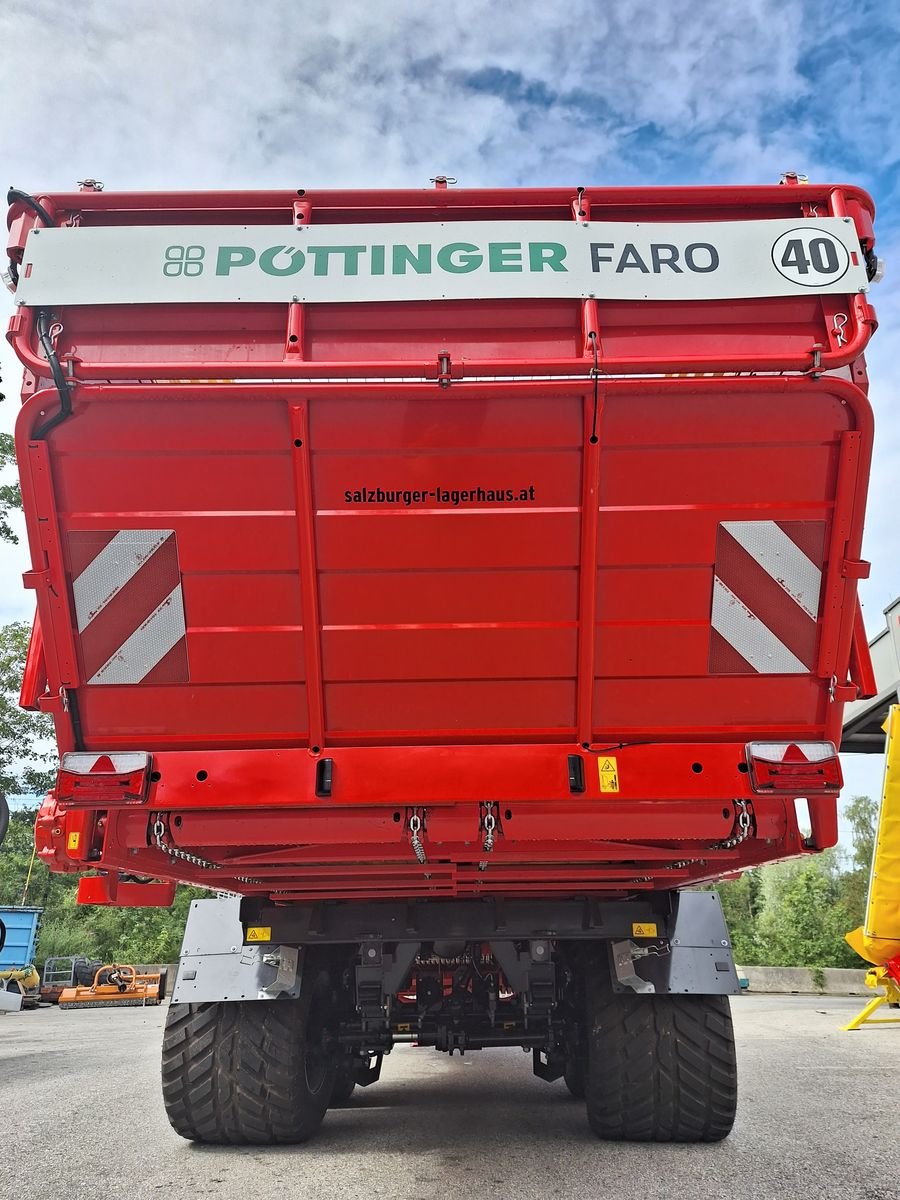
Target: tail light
<point x="795" y="768"/>
<point x="103" y="780"/>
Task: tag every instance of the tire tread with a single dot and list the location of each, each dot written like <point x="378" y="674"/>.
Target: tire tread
<point x="235" y="1073"/>
<point x="660" y="1068"/>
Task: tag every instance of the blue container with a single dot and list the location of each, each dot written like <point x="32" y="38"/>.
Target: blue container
<point x="22" y="926"/>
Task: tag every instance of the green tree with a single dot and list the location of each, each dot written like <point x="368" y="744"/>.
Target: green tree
<point x="804" y="914"/>
<point x="44" y="889"/>
<point x="25" y="737"/>
<point x="862" y="814"/>
<point x="10" y="496"/>
<point x="741" y="903"/>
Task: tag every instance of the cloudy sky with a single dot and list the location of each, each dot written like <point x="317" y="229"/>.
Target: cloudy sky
<point x="195" y="93"/>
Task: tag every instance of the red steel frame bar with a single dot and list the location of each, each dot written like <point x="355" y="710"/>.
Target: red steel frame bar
<point x="587" y="582"/>
<point x="438" y="201"/>
<point x="309" y="583"/>
<point x="21" y="337"/>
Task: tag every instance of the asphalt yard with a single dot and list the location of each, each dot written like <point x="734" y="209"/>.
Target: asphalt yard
<point x="82" y="1118"/>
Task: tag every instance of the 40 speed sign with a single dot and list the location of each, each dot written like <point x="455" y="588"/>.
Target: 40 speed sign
<point x="807" y="256"/>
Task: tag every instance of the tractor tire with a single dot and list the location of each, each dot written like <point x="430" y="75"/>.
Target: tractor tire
<point x="344" y="1087"/>
<point x="660" y="1068"/>
<point x="574" y="1078"/>
<point x="248" y="1072"/>
<point x="84" y="971"/>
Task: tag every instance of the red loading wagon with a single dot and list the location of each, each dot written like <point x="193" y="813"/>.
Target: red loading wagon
<point x="455" y="576"/>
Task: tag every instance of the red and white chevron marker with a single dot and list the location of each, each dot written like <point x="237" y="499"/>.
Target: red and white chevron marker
<point x="129" y="607"/>
<point x="765" y="602"/>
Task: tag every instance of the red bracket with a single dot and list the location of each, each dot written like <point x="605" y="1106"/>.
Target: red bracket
<point x="294" y="339"/>
<point x="293" y="342"/>
<point x="110" y="889"/>
<point x="855" y="569"/>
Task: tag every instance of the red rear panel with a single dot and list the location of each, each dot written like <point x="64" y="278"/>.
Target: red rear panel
<point x="438" y="536"/>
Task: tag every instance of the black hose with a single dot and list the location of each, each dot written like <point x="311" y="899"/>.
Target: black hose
<point x="17" y="196"/>
<point x="62" y="385"/>
<point x="4" y="817"/>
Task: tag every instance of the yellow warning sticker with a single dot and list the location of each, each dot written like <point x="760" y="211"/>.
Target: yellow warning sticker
<point x="259" y="933"/>
<point x="609" y="773"/>
<point x="73" y="841"/>
<point x="648" y="929"/>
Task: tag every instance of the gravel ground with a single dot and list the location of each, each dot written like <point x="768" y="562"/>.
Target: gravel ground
<point x="82" y="1118"/>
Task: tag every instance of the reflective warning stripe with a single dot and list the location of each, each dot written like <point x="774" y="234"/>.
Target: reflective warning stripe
<point x="148" y="645"/>
<point x="106" y="575"/>
<point x="743" y="630"/>
<point x="782" y="558"/>
<point x="129" y="607"/>
<point x="765" y="602"/>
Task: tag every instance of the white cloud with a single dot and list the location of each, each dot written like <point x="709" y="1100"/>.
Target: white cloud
<point x="219" y="93"/>
<point x="225" y="93"/>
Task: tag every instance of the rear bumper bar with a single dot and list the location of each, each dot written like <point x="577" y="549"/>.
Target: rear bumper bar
<point x="437" y="821"/>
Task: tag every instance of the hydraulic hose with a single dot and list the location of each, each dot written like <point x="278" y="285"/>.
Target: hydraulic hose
<point x="63" y="387"/>
<point x="59" y="379"/>
<point x="17" y="196"/>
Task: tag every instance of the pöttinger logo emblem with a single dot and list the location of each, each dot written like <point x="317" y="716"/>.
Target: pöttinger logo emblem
<point x="183" y="260"/>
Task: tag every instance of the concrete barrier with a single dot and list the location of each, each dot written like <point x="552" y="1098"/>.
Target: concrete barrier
<point x="830" y="981"/>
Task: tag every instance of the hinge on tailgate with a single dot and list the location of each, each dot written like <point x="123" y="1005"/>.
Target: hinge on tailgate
<point x="855" y="568"/>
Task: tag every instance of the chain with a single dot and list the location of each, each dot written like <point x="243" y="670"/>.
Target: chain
<point x="742" y="826"/>
<point x="489" y="824"/>
<point x="159" y="837"/>
<point x="415" y="828"/>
